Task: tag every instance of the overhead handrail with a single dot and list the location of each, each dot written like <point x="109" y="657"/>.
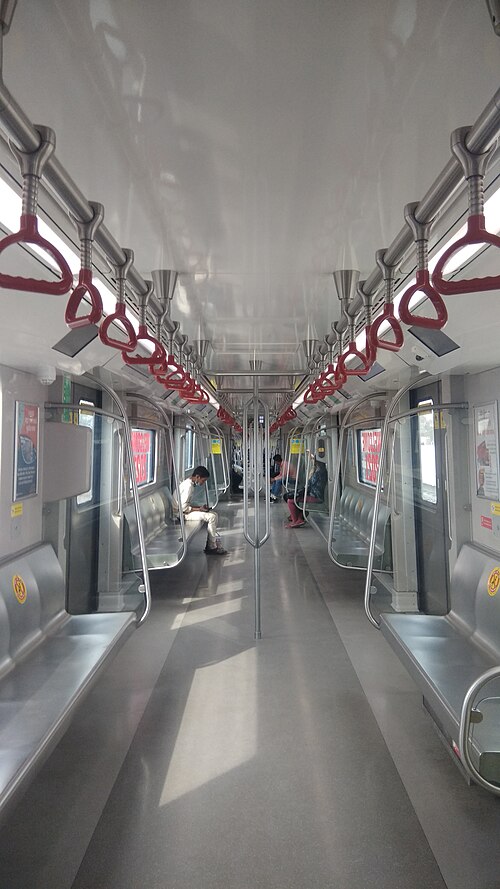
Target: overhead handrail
<point x="421" y="232"/>
<point x="387" y="315"/>
<point x="119" y="317"/>
<point x="143" y="336"/>
<point x="257" y="542"/>
<point x="336" y="472"/>
<point x="389" y="419"/>
<point x="468" y="716"/>
<point x="474" y="167"/>
<point x="31" y="164"/>
<point x="85" y="287"/>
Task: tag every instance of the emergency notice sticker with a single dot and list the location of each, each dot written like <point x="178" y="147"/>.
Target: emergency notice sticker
<point x="19" y="587"/>
<point x="493" y="582"/>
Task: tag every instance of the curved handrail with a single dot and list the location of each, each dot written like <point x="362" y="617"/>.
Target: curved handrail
<point x="389" y="418"/>
<point x="160" y="407"/>
<point x="31" y="164"/>
<point x="336" y="474"/>
<point x="463" y="731"/>
<point x="135" y="494"/>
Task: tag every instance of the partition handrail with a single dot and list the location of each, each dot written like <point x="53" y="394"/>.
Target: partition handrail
<point x="160" y="408"/>
<point x="257" y="542"/>
<point x="465" y="723"/>
<point x="288" y="453"/>
<point x="216" y="433"/>
<point x="378" y="489"/>
<point x="209" y="456"/>
<point x="336" y="474"/>
<point x="305" y="431"/>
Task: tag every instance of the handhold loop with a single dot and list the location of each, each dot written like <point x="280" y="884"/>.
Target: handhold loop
<point x="158" y="355"/>
<point x="85" y="286"/>
<point x="31" y="164"/>
<point x="474" y="168"/>
<point x="119" y="317"/>
<point x="352" y="351"/>
<point x="421" y="232"/>
<point x="377" y="341"/>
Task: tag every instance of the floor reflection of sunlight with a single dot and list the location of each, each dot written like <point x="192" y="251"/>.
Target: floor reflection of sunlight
<point x="218" y="731"/>
<point x="209" y="611"/>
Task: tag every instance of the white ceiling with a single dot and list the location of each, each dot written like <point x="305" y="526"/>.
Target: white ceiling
<point x="253" y="145"/>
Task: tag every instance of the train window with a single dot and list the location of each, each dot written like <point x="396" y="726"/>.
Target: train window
<point x="87" y="418"/>
<point x="143" y="451"/>
<point x="368" y="449"/>
<point x="189" y="450"/>
<point x="427" y="454"/>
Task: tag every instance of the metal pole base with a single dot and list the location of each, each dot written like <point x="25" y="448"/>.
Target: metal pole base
<point x="257" y="635"/>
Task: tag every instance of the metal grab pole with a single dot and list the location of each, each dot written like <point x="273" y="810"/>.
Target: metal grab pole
<point x="256" y="541"/>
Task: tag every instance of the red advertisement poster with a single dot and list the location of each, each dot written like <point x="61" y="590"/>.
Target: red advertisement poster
<point x="142" y="451"/>
<point x="26" y="451"/>
<point x="371" y="440"/>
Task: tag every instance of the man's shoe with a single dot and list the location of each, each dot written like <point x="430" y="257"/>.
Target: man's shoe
<point x="215" y="551"/>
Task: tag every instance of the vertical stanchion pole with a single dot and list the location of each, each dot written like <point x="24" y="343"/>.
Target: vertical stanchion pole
<point x="257" y="469"/>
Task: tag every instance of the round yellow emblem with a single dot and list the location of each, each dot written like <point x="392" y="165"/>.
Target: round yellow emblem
<point x="19" y="587"/>
<point x="493" y="582"/>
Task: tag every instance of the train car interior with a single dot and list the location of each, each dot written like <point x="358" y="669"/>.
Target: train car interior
<point x="250" y="459"/>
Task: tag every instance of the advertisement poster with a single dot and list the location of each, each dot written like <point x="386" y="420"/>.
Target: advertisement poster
<point x="142" y="450"/>
<point x="371" y="442"/>
<point x="26" y="451"/>
<point x="486" y="451"/>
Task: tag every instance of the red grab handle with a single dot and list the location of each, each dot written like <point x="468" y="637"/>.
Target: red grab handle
<point x="124" y="324"/>
<point x="83" y="288"/>
<point x="476" y="234"/>
<point x="423" y="285"/>
<point x="310" y="397"/>
<point x="28" y="234"/>
<point x="157" y="357"/>
<point x="365" y="358"/>
<point x="378" y="342"/>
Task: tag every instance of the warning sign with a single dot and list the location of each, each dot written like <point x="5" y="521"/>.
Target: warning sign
<point x="19" y="587"/>
<point x="493" y="582"/>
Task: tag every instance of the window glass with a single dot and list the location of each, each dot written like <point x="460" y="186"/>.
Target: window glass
<point x="87" y="418"/>
<point x="369" y="442"/>
<point x="427" y="454"/>
<point x="143" y="450"/>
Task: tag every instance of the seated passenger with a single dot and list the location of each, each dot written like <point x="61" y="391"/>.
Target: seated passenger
<point x="236" y="478"/>
<point x="277" y="477"/>
<point x="315" y="494"/>
<point x="197" y="513"/>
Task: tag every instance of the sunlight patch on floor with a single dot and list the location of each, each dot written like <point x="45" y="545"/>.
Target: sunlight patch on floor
<point x="218" y="731"/>
<point x="210" y="611"/>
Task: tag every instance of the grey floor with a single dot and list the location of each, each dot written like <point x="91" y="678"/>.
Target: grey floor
<point x="204" y="759"/>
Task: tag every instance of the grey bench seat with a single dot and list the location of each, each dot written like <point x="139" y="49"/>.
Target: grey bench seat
<point x="48" y="661"/>
<point x="446" y="654"/>
<point x="162" y="530"/>
<point x="352" y="530"/>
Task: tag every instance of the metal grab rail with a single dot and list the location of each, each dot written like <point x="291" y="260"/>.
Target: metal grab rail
<point x="466" y="718"/>
<point x="135" y="492"/>
<point x="256" y="541"/>
<point x="378" y="490"/>
<point x="305" y="431"/>
<point x="160" y="408"/>
<point x="336" y="472"/>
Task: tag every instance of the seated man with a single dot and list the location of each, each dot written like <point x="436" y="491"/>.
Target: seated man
<point x="277" y="477"/>
<point x="195" y="513"/>
<point x="315" y="494"/>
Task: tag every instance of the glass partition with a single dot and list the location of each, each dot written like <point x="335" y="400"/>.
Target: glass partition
<point x="425" y="481"/>
<point x="86" y="501"/>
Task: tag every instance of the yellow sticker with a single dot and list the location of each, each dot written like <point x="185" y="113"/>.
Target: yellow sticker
<point x="16" y="510"/>
<point x="216" y="446"/>
<point x="493" y="582"/>
<point x="19" y="587"/>
<point x="495" y="508"/>
<point x="296" y="446"/>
